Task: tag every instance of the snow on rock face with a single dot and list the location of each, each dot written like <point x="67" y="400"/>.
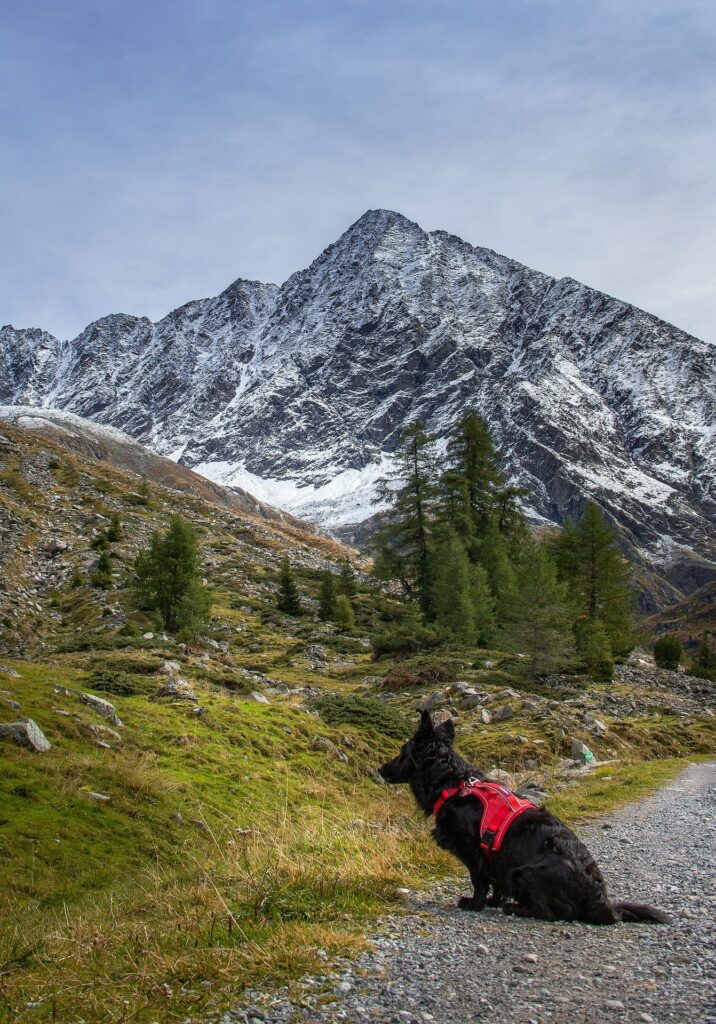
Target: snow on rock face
<point x="299" y="393"/>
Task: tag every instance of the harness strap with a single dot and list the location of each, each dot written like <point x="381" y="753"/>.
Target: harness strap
<point x="500" y="808"/>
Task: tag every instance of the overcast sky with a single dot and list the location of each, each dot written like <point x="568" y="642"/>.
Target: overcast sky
<point x="154" y="150"/>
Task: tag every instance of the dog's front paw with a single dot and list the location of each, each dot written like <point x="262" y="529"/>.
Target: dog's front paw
<point x="470" y="903"/>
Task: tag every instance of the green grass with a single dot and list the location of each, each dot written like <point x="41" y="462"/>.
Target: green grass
<point x="230" y="849"/>
<point x="611" y="786"/>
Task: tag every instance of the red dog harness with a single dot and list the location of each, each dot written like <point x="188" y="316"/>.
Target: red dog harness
<point x="500" y="808"/>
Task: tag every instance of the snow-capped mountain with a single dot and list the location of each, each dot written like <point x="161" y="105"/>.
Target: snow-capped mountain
<point x="299" y="393"/>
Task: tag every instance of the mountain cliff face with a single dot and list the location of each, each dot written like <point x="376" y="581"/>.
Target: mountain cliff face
<point x="299" y="393"/>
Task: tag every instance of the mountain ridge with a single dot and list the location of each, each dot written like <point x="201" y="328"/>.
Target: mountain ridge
<point x="298" y="392"/>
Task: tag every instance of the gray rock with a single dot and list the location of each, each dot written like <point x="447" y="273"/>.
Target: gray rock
<point x="176" y="690"/>
<point x="259" y="698"/>
<point x="329" y="747"/>
<point x="99" y="797"/>
<point x="503" y="713"/>
<point x="101" y="706"/>
<point x="27" y="734"/>
<point x="435" y="700"/>
<point x="581" y="752"/>
<point x="472" y="701"/>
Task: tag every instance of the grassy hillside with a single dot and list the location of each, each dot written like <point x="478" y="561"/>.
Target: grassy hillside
<point x="151" y="870"/>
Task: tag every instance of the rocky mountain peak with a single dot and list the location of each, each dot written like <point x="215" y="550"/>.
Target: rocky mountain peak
<point x="299" y="393"/>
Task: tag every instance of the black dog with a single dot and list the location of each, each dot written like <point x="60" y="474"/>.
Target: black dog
<point x="541" y="867"/>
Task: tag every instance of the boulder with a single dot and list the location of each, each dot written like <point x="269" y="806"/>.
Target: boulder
<point x="259" y="698"/>
<point x="486" y="716"/>
<point x="101" y="706"/>
<point x="27" y="734"/>
<point x="581" y="752"/>
<point x="503" y="713"/>
<point x="176" y="689"/>
<point x="433" y="701"/>
<point x="471" y="701"/>
<point x="329" y="747"/>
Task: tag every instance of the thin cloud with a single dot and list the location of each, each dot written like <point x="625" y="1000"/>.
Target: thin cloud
<point x="155" y="152"/>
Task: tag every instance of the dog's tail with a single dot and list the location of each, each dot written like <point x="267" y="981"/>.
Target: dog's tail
<point x="624" y="910"/>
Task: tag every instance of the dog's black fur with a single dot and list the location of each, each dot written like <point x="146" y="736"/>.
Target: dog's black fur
<point x="542" y="869"/>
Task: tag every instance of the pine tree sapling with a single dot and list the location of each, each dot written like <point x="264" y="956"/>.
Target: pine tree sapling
<point x="347" y="580"/>
<point x="667" y="652"/>
<point x="167" y="577"/>
<point x="114" y="531"/>
<point x="102" y="576"/>
<point x="327" y="596"/>
<point x="289" y="601"/>
<point x="705" y="662"/>
<point x="343" y="614"/>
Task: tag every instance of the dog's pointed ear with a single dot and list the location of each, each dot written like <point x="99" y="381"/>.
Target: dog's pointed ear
<point x="426" y="722"/>
<point x="446" y="730"/>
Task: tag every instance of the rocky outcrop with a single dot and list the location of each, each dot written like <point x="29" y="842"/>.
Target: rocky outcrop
<point x="26" y="733"/>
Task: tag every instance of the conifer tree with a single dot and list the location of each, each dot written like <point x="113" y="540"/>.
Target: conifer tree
<point x="403" y="541"/>
<point x="289" y="601"/>
<point x="598" y="652"/>
<point x="494" y="558"/>
<point x="667" y="652"/>
<point x="343" y="614"/>
<point x="114" y="531"/>
<point x="452" y="605"/>
<point x="327" y="596"/>
<point x="453" y="507"/>
<point x="472" y="456"/>
<point x="706" y="657"/>
<point x="597" y="576"/>
<point x="347" y="581"/>
<point x="167" y="576"/>
<point x="103" y="573"/>
<point x="539" y="623"/>
<point x="483" y="605"/>
<point x="509" y="516"/>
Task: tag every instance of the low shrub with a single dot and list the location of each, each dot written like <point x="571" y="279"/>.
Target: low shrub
<point x="427" y="672"/>
<point x="404" y="639"/>
<point x="364" y="712"/>
<point x="121" y="684"/>
<point x="667" y="652"/>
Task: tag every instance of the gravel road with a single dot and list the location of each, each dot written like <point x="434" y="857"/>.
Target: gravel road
<point x="440" y="964"/>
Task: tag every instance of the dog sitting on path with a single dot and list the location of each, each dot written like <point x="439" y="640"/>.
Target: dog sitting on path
<point x="534" y="865"/>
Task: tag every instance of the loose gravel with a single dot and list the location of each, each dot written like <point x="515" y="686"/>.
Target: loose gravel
<point x="440" y="964"/>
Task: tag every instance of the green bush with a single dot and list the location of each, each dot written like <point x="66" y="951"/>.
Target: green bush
<point x="667" y="652"/>
<point x="409" y="638"/>
<point x="121" y="684"/>
<point x="426" y="672"/>
<point x="364" y="712"/>
<point x="343" y="613"/>
<point x="134" y="664"/>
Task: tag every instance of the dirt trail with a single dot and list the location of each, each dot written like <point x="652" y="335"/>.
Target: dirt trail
<point x="448" y="966"/>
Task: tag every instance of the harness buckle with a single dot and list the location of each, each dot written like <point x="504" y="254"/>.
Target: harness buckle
<point x="487" y="838"/>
